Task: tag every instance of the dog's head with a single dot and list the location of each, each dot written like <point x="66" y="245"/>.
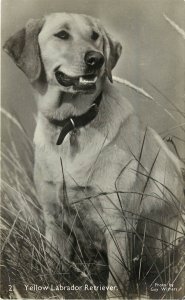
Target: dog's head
<point x="68" y="50"/>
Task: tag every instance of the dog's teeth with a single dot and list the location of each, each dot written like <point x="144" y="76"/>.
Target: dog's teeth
<point x="86" y="81"/>
<point x="94" y="80"/>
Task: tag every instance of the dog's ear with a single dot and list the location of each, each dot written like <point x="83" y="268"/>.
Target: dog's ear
<point x="112" y="51"/>
<point x="24" y="49"/>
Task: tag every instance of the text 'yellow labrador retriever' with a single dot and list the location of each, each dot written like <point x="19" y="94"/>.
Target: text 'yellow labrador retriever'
<point x="91" y="151"/>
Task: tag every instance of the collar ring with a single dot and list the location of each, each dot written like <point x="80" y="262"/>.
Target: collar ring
<point x="72" y="122"/>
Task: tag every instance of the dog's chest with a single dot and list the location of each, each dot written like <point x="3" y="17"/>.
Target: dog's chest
<point x="74" y="159"/>
<point x="78" y="166"/>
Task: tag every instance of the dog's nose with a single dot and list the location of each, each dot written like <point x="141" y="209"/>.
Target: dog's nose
<point x="94" y="59"/>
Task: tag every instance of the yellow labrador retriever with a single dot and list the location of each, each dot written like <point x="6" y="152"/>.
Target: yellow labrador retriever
<point x="89" y="142"/>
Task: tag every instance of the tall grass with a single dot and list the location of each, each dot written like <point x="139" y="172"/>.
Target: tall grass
<point x="25" y="260"/>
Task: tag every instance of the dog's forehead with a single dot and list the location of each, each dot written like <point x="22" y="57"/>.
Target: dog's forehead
<point x="57" y="21"/>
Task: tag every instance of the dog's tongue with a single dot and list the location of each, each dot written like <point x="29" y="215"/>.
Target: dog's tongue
<point x="89" y="79"/>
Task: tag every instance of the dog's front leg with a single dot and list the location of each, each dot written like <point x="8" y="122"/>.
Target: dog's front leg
<point x="117" y="245"/>
<point x="58" y="242"/>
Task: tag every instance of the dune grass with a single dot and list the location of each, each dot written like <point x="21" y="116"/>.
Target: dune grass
<point x="25" y="260"/>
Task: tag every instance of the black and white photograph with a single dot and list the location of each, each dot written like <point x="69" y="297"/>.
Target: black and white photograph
<point x="92" y="149"/>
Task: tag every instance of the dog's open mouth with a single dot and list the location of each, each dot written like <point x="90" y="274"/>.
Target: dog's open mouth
<point x="84" y="83"/>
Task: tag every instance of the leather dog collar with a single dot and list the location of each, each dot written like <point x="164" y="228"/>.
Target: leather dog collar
<point x="75" y="122"/>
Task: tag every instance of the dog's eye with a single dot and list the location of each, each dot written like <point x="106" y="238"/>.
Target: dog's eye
<point x="94" y="35"/>
<point x="64" y="35"/>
